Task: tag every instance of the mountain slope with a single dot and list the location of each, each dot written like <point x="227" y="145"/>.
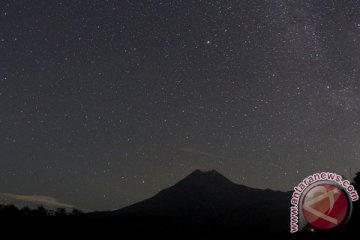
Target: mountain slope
<point x="205" y="199"/>
<point x="205" y="193"/>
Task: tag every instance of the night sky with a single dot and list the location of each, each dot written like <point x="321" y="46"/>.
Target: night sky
<point x="105" y="103"/>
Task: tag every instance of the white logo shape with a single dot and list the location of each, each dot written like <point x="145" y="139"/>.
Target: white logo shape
<point x="325" y="194"/>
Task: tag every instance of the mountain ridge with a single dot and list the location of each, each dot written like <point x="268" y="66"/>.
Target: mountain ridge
<point x="208" y="197"/>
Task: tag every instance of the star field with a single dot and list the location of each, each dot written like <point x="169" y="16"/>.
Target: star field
<point x="105" y="103"/>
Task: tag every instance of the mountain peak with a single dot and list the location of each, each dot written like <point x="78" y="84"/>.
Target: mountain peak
<point x="209" y="173"/>
<point x="202" y="177"/>
<point x="200" y="172"/>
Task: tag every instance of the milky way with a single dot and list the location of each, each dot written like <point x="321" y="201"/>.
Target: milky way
<point x="105" y="103"/>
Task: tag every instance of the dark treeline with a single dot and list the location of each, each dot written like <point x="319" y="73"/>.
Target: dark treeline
<point x="41" y="223"/>
<point x="40" y="211"/>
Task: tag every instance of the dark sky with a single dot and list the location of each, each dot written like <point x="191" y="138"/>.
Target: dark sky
<point x="104" y="103"/>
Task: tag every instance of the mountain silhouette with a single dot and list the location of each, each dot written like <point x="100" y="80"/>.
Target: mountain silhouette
<point x="206" y="200"/>
<point x="203" y="205"/>
<point x="207" y="194"/>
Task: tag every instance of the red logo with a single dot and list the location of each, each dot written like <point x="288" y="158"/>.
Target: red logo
<point x="325" y="206"/>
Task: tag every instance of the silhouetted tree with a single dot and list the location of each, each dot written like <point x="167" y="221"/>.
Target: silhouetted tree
<point x="25" y="211"/>
<point x="355" y="219"/>
<point x="60" y="212"/>
<point x="10" y="211"/>
<point x="42" y="211"/>
<point x="76" y="212"/>
<point x="357" y="181"/>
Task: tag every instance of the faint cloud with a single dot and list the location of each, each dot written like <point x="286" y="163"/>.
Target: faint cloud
<point x="36" y="199"/>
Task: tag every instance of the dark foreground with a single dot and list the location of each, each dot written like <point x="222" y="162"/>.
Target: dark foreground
<point x="39" y="224"/>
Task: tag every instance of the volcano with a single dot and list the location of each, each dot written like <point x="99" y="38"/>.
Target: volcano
<point x="207" y="201"/>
